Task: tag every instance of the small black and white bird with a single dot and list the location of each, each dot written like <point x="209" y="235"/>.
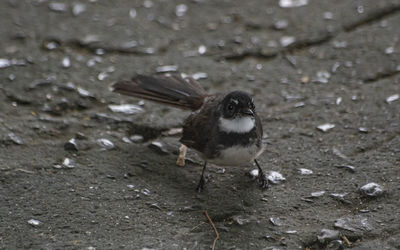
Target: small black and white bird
<point x="223" y="129"/>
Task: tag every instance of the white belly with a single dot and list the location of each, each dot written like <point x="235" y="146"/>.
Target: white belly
<point x="237" y="156"/>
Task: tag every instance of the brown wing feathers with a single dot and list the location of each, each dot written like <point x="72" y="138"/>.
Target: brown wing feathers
<point x="171" y="90"/>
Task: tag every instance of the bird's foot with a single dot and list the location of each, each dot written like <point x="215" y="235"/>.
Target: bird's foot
<point x="262" y="178"/>
<point x="263" y="181"/>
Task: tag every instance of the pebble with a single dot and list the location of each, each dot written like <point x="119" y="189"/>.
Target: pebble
<point x="155" y="205"/>
<point x="180" y="10"/>
<point x="71" y="145"/>
<point x="145" y="191"/>
<point x="136" y="138"/>
<point x="78" y="8"/>
<point x="4" y="63"/>
<point x="240" y="220"/>
<point x="339" y="154"/>
<point x="335" y="244"/>
<point x="84" y="93"/>
<point x="148" y="3"/>
<point x="106" y="118"/>
<point x="304" y="171"/>
<point x="299" y="104"/>
<point x="371" y="189"/>
<point x="275" y="177"/>
<point x="292" y="3"/>
<point x="190" y="208"/>
<point x="41" y="83"/>
<point x="389" y="50"/>
<point x="253" y="173"/>
<point x="105" y="144"/>
<point x="51" y="45"/>
<point x="339" y="100"/>
<point x="317" y="194"/>
<point x="202" y="50"/>
<point x="58" y="7"/>
<point x="281" y="24"/>
<point x="328" y="15"/>
<point x="68" y="163"/>
<point x="158" y="147"/>
<point x="149" y="50"/>
<point x="66" y="62"/>
<point x="11" y="77"/>
<point x="172" y="132"/>
<point x="362" y="130"/>
<point x="272" y="176"/>
<point x="199" y="75"/>
<point x="34" y="222"/>
<point x="126" y="139"/>
<point x="275" y="221"/>
<point x="353" y="224"/>
<point x="328" y="235"/>
<point x="350" y="168"/>
<point x="70" y="86"/>
<point x="325" y="127"/>
<point x="287" y="40"/>
<point x="322" y="77"/>
<point x="339" y="44"/>
<point x="338" y="196"/>
<point x="15" y="139"/>
<point x="126" y="108"/>
<point x="80" y="136"/>
<point x="132" y="13"/>
<point x="220" y="171"/>
<point x="102" y="76"/>
<point x="167" y="68"/>
<point x="392" y="98"/>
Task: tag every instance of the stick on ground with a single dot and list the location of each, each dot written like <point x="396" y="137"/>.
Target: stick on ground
<point x="215" y="229"/>
<point x="182" y="154"/>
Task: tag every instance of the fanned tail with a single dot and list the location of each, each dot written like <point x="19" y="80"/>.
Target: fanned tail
<point x="184" y="93"/>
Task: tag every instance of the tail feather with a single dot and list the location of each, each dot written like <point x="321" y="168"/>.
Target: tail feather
<point x="172" y="90"/>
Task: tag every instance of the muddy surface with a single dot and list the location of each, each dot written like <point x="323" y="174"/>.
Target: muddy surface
<point x="76" y="175"/>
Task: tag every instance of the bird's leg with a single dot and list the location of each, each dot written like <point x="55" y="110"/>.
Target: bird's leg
<point x="182" y="154"/>
<point x="203" y="179"/>
<point x="262" y="178"/>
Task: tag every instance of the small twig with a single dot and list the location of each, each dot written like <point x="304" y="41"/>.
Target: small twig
<point x="348" y="243"/>
<point x="213" y="226"/>
<point x="182" y="155"/>
<point x="24" y="171"/>
<point x="196" y="226"/>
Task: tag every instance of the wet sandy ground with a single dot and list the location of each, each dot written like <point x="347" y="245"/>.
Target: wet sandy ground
<point x="74" y="174"/>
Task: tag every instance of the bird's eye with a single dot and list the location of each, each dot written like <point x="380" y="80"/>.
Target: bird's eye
<point x="230" y="107"/>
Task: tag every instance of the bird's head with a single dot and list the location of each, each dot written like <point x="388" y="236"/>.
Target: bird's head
<point x="237" y="112"/>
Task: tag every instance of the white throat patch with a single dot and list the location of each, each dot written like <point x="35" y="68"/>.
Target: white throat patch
<point x="237" y="125"/>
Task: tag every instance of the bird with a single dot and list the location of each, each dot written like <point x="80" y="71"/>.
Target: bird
<point x="224" y="129"/>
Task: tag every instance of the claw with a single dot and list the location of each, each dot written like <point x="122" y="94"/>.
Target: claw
<point x="262" y="178"/>
<point x="263" y="181"/>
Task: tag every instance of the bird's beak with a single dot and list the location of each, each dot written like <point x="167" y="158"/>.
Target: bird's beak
<point x="247" y="111"/>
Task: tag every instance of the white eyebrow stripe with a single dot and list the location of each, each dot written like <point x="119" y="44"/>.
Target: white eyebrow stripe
<point x="235" y="101"/>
